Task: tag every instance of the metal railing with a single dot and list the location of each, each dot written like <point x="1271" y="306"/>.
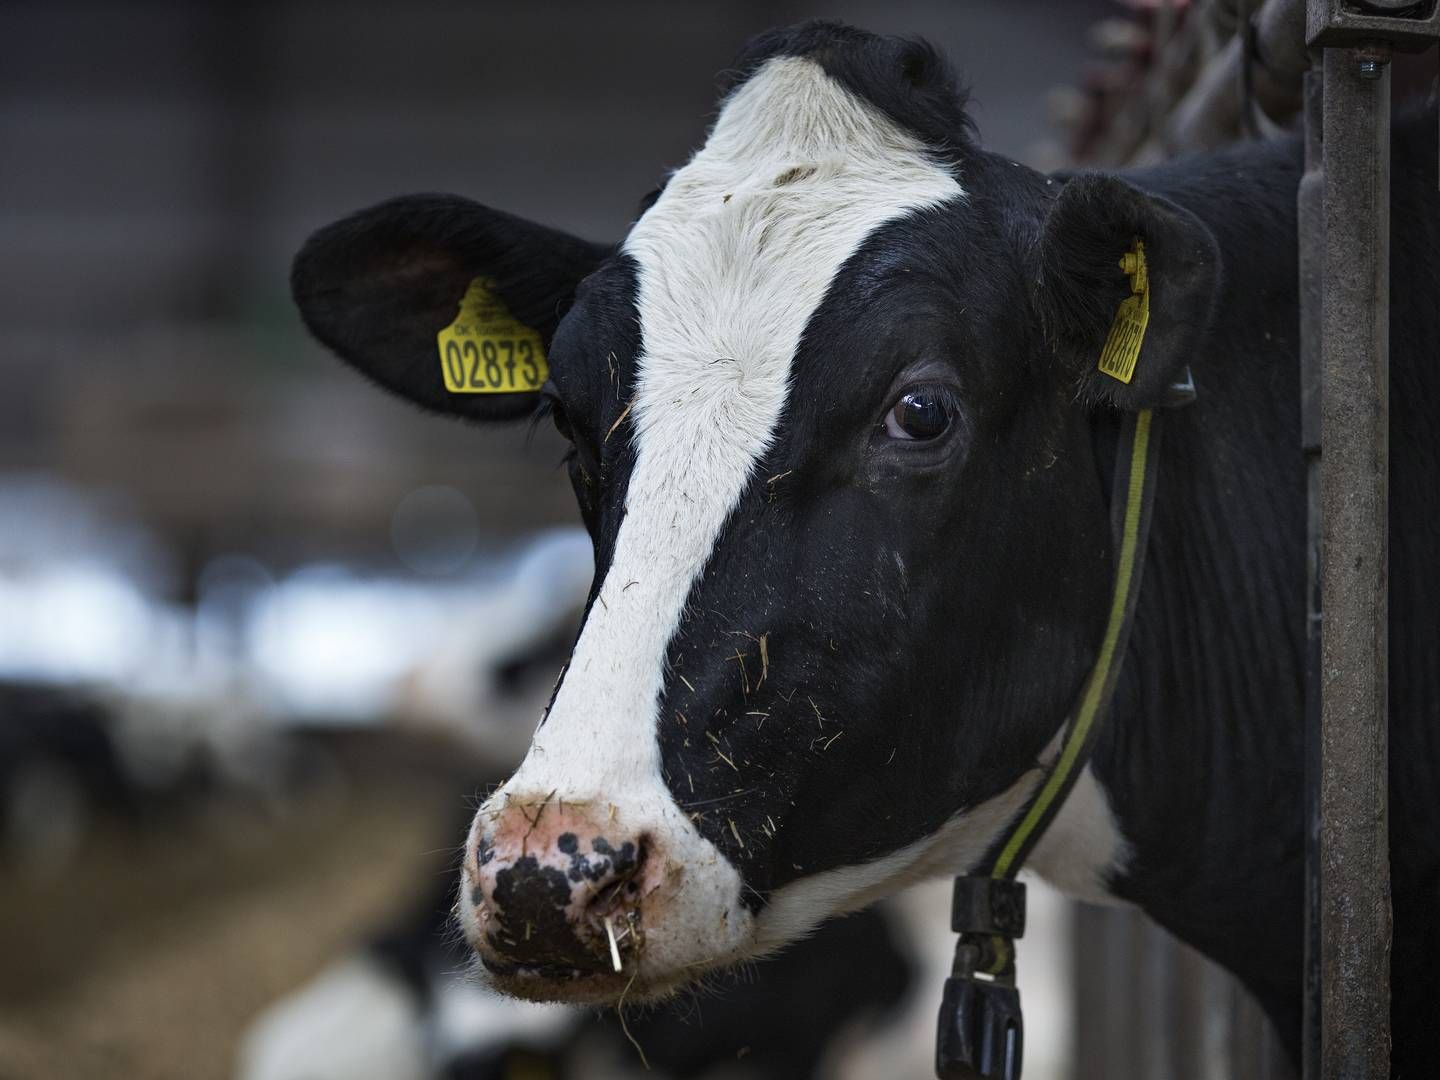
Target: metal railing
<point x="1148" y="1006"/>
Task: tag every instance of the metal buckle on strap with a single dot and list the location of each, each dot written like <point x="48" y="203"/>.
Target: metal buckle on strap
<point x="1181" y="392"/>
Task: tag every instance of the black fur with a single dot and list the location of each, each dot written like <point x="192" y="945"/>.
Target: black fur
<point x="376" y="287"/>
<point x="1093" y="222"/>
<point x="905" y="78"/>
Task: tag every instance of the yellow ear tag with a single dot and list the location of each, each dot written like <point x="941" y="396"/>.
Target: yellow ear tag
<point x="486" y="350"/>
<point x="1127" y="332"/>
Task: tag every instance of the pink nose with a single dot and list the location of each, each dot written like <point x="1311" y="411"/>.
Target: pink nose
<point x="556" y="891"/>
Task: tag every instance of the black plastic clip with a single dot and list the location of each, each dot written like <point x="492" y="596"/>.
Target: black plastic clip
<point x="982" y="1033"/>
<point x="987" y="905"/>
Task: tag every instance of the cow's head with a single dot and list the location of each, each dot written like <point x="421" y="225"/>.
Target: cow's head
<point x="830" y="407"/>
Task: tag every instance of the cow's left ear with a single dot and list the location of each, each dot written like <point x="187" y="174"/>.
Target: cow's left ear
<point x="1100" y="230"/>
<point x="443" y="301"/>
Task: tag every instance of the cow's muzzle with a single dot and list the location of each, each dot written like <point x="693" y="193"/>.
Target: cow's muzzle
<point x="558" y="897"/>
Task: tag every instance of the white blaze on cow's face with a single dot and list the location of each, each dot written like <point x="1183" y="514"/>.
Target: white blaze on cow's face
<point x="732" y="261"/>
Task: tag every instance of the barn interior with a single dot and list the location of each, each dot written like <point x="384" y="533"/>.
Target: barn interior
<point x="266" y="634"/>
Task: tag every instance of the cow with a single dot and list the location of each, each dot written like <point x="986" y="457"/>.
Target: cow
<point x="839" y="437"/>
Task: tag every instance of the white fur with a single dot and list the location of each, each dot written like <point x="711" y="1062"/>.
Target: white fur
<point x="1077" y="854"/>
<point x="1083" y="847"/>
<point x="797" y="908"/>
<point x="733" y="259"/>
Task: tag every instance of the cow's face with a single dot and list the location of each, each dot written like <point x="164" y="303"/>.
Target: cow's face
<point x="851" y="542"/>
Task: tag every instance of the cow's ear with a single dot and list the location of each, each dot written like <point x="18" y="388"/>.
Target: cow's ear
<point x="1100" y="230"/>
<point x="442" y="301"/>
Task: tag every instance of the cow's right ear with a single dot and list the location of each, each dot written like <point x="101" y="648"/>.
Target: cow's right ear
<point x="379" y="287"/>
<point x="1126" y="289"/>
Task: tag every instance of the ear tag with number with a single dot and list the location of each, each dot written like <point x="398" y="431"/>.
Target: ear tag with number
<point x="486" y="350"/>
<point x="1127" y="332"/>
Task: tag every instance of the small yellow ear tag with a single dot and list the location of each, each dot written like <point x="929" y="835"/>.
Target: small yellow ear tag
<point x="1127" y="332"/>
<point x="486" y="350"/>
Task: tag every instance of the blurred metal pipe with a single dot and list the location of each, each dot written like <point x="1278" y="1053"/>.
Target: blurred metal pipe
<point x="1210" y="114"/>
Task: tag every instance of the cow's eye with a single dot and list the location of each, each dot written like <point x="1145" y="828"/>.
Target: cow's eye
<point x="923" y="412"/>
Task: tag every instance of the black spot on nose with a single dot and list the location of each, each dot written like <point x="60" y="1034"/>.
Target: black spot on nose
<point x="534" y="928"/>
<point x="627" y="857"/>
<point x="609" y="862"/>
<point x="568" y="843"/>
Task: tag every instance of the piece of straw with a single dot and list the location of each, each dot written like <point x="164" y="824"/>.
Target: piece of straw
<point x="620" y="1012"/>
<point x="619" y="420"/>
<point x="614" y="946"/>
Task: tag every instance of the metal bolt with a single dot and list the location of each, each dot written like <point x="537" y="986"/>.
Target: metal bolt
<point x="1370" y="60"/>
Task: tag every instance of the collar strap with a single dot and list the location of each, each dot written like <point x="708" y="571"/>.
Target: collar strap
<point x="1131" y="506"/>
<point x="981" y="1034"/>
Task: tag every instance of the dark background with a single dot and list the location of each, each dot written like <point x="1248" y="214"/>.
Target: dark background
<point x="161" y="162"/>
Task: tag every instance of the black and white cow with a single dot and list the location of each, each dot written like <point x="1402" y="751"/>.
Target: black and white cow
<point x="840" y="441"/>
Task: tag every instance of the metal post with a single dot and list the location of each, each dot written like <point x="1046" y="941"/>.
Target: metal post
<point x="1354" y="899"/>
<point x="1348" y="880"/>
<point x="1311" y="218"/>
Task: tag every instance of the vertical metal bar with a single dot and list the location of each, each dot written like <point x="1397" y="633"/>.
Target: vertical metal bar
<point x="1311" y="217"/>
<point x="1247" y="1032"/>
<point x="1354" y="806"/>
<point x="1187" y="998"/>
<point x="1218" y="1053"/>
<point x="1155" y="976"/>
<point x="1094" y="1002"/>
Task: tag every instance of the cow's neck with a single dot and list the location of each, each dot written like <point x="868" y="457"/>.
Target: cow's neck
<point x="1201" y="761"/>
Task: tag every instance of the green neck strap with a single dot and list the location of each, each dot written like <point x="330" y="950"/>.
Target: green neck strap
<point x="981" y="1033"/>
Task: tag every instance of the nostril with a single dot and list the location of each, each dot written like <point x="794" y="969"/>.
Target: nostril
<point x="484" y="851"/>
<point x="622" y="882"/>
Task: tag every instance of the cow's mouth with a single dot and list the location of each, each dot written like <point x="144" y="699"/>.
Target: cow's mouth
<point x="595" y="971"/>
<point x="574" y="986"/>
